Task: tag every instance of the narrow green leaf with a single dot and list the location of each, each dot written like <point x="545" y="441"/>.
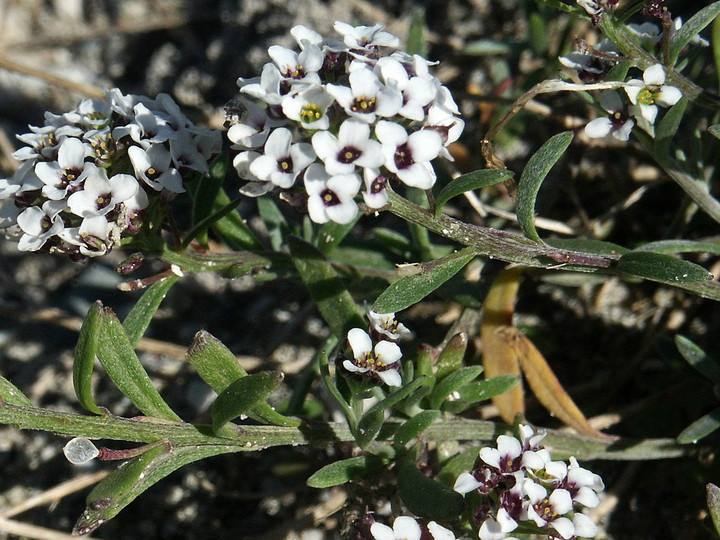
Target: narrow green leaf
<point x="715" y="130"/>
<point x="691" y="28"/>
<point x="661" y="268"/>
<point x="670" y="247"/>
<point x="409" y="290"/>
<point x="393" y="240"/>
<point x="204" y="191"/>
<point x="619" y="71"/>
<point x="9" y="393"/>
<point x="242" y="395"/>
<point x="589" y="245"/>
<point x="331" y="234"/>
<point x="486" y="47"/>
<point x="698" y="358"/>
<point x="476" y="392"/>
<point x="343" y="471"/>
<point x="368" y="427"/>
<point x="85" y="353"/>
<point x="218" y="367"/>
<point x="451" y="357"/>
<point x="468" y="182"/>
<point x="143" y="311"/>
<point x="414" y="427"/>
<point x="199" y="230"/>
<point x="133" y="477"/>
<point x="451" y="383"/>
<point x="416" y="36"/>
<point x="532" y="178"/>
<point x="426" y="497"/>
<point x="118" y="357"/>
<point x="332" y="298"/>
<point x="667" y="127"/>
<point x="713" y="502"/>
<point x="232" y="227"/>
<point x="702" y="427"/>
<point x="275" y="222"/>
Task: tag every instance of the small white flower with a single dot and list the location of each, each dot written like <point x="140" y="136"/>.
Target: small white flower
<point x="252" y="128"/>
<point x="68" y="172"/>
<point x="152" y="166"/>
<point x="584" y="526"/>
<point x="409" y="156"/>
<point x="382" y="361"/>
<point x="282" y="161"/>
<point x="331" y="198"/>
<point x="309" y="107"/>
<point x="266" y="87"/>
<point x="367" y="97"/>
<point x="365" y="37"/>
<point x="301" y="66"/>
<point x="417" y="92"/>
<point x="497" y="529"/>
<point x="40" y="224"/>
<point x="147" y="127"/>
<point x="93" y="238"/>
<point x="100" y="195"/>
<point x="375" y="194"/>
<point x="466" y="483"/>
<point x="352" y="147"/>
<point x="618" y="124"/>
<point x="652" y="91"/>
<point x="503" y="457"/>
<point x="385" y="325"/>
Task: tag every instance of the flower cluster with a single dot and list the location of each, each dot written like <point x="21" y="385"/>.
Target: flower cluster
<point x="88" y="176"/>
<point x="381" y="361"/>
<point x="404" y="528"/>
<point x="518" y="483"/>
<point x="340" y="115"/>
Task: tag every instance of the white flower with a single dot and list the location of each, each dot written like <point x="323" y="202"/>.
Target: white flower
<point x="100" y="195"/>
<point x="93" y="237"/>
<point x="382" y="361"/>
<point x="147" y="126"/>
<point x="309" y="107"/>
<point x="302" y="66"/>
<point x="408" y="156"/>
<point x="549" y="510"/>
<point x="505" y="456"/>
<point x="331" y="198"/>
<point x="584" y="526"/>
<point x="365" y="37"/>
<point x="42" y="143"/>
<point x="152" y="166"/>
<point x="367" y="97"/>
<point x="385" y="325"/>
<point x="583" y="484"/>
<point x="497" y="529"/>
<point x="282" y="161"/>
<point x="408" y="528"/>
<point x="252" y="127"/>
<point x="652" y="91"/>
<point x="40" y="224"/>
<point x="351" y="147"/>
<point x="618" y="124"/>
<point x="266" y="87"/>
<point x="417" y="92"/>
<point x="466" y="483"/>
<point x="375" y="194"/>
<point x="68" y="172"/>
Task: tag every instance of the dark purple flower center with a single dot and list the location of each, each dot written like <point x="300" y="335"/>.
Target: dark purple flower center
<point x="348" y="154"/>
<point x="285" y="164"/>
<point x="403" y="156"/>
<point x="329" y="198"/>
<point x="378" y="185"/>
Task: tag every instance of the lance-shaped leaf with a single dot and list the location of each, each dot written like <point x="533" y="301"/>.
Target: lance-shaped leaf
<point x="451" y="357"/>
<point x="702" y="427"/>
<point x="204" y="191"/>
<point x="413" y="427"/>
<point x="532" y="178"/>
<point x="331" y="234"/>
<point x="242" y="395"/>
<point x="667" y="128"/>
<point x="275" y="223"/>
<point x="451" y="383"/>
<point x="133" y="477"/>
<point x="397" y="396"/>
<point x="670" y="247"/>
<point x="142" y="313"/>
<point x="468" y="182"/>
<point x="544" y="383"/>
<point x="218" y="367"/>
<point x="411" y="289"/>
<point x="498" y="356"/>
<point x="661" y="268"/>
<point x="698" y="358"/>
<point x="713" y="502"/>
<point x="343" y="471"/>
<point x="85" y="353"/>
<point x="368" y="427"/>
<point x="692" y="28"/>
<point x="335" y="303"/>
<point x="118" y="357"/>
<point x="476" y="392"/>
<point x="232" y="228"/>
<point x="9" y="393"/>
<point x="426" y="497"/>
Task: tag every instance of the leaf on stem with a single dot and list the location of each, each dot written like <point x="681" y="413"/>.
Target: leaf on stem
<point x="698" y="358"/>
<point x="691" y="28"/>
<point x="343" y="471"/>
<point x="218" y="367"/>
<point x="117" y="356"/>
<point x="409" y="290"/>
<point x="451" y="357"/>
<point x="532" y="178"/>
<point x="476" y="392"/>
<point x="85" y="353"/>
<point x="661" y="268"/>
<point x="331" y="234"/>
<point x="335" y="303"/>
<point x="143" y="311"/>
<point x="426" y="497"/>
<point x="451" y="383"/>
<point x="232" y="227"/>
<point x="414" y="427"/>
<point x="9" y="393"/>
<point x="242" y="395"/>
<point x="204" y="191"/>
<point x="667" y="128"/>
<point x="702" y="427"/>
<point x="468" y="182"/>
<point x="670" y="247"/>
<point x="713" y="502"/>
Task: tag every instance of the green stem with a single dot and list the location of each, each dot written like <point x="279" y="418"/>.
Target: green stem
<point x="253" y="438"/>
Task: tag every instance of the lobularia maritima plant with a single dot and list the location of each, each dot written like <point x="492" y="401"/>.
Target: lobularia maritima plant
<point x="336" y="128"/>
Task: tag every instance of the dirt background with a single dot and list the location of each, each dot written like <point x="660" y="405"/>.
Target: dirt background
<point x="601" y="335"/>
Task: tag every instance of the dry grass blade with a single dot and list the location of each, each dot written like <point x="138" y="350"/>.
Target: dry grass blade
<point x="18" y="528"/>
